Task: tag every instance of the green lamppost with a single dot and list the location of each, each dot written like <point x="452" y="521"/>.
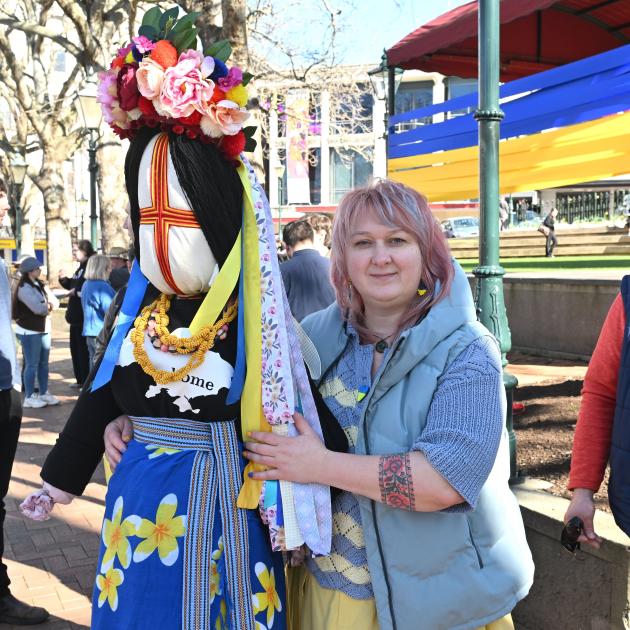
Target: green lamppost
<point x="91" y="112"/>
<point x="18" y="173"/>
<point x="489" y="273"/>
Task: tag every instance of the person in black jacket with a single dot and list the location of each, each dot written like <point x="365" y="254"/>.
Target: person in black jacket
<point x="74" y="313"/>
<point x="549" y="222"/>
<point x="306" y="275"/>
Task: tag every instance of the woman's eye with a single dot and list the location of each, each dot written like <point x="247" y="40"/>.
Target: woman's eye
<point x="397" y="240"/>
<point x="362" y="243"/>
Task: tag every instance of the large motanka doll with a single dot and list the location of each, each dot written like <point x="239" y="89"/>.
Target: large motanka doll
<point x="204" y="351"/>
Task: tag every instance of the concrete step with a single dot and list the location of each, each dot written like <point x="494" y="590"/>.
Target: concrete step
<point x="561" y="250"/>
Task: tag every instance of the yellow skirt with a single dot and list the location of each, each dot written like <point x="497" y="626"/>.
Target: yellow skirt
<point x="312" y="607"/>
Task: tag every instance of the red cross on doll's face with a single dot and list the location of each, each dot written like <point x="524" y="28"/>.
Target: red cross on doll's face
<point x="175" y="255"/>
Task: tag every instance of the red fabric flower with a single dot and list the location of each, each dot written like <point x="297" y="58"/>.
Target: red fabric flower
<point x="233" y="145"/>
<point x="193" y="120"/>
<point x="164" y="53"/>
<point x="146" y="106"/>
<point x="191" y="133"/>
<point x="118" y="62"/>
<point x="178" y="129"/>
<point x="127" y="87"/>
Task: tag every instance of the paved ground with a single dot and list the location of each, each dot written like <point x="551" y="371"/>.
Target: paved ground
<point x="53" y="563"/>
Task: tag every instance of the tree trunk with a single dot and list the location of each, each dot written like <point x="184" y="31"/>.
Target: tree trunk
<point x="235" y="30"/>
<point x="209" y="22"/>
<point x="112" y="194"/>
<point x="58" y="241"/>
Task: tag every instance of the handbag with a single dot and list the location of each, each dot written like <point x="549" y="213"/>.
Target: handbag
<point x="543" y="229"/>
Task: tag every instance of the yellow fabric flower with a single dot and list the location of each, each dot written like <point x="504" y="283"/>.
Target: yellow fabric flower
<point x="238" y="95"/>
<point x="114" y="535"/>
<point x="161" y="534"/>
<point x="108" y="585"/>
<point x="160" y="450"/>
<point x="268" y="599"/>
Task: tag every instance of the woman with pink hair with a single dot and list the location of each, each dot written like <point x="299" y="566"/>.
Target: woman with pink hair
<point x="426" y="533"/>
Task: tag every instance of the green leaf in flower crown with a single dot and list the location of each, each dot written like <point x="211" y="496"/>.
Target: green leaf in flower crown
<point x="152" y="18"/>
<point x="148" y="31"/>
<point x="168" y="18"/>
<point x="249" y="131"/>
<point x="185" y="22"/>
<point x="250" y="145"/>
<point x="247" y="77"/>
<point x="220" y="50"/>
<point x="185" y="39"/>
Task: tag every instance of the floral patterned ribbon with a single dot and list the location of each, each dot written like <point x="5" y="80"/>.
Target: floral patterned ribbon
<point x="305" y="508"/>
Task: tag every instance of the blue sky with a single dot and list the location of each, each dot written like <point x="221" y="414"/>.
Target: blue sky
<point x="371" y="25"/>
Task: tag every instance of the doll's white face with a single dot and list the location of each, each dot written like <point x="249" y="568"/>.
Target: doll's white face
<point x="174" y="253"/>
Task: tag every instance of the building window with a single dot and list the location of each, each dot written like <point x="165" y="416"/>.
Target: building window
<point x="456" y="87"/>
<point x="354" y="116"/>
<point x="348" y="169"/>
<point x="413" y="95"/>
<point x="315" y="176"/>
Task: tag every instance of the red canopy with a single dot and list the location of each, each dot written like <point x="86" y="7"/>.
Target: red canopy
<point x="535" y="35"/>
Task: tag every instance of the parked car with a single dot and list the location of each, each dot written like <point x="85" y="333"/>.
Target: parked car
<point x="461" y="227"/>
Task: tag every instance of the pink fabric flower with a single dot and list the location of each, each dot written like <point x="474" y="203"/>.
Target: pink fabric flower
<point x="143" y="44"/>
<point x="127" y="87"/>
<point x="234" y="78"/>
<point x="192" y="55"/>
<point x="184" y="90"/>
<point x="150" y="76"/>
<point x="223" y="118"/>
<point x="37" y="506"/>
<point x="106" y="92"/>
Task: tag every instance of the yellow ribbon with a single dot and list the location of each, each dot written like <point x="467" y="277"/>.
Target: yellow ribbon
<point x="573" y="154"/>
<point x="252" y="416"/>
<point x="220" y="291"/>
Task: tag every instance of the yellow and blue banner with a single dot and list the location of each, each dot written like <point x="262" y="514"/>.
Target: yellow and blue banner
<point x="563" y="126"/>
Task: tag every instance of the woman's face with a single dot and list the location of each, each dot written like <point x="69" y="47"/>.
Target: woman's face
<point x="78" y="254"/>
<point x="384" y="263"/>
<point x="34" y="275"/>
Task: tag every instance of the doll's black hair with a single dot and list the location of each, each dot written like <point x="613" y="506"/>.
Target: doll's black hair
<point x="211" y="184"/>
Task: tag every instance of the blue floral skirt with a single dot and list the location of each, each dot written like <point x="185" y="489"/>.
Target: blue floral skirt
<point x="176" y="552"/>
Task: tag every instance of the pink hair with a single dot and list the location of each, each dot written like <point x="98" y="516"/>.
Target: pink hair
<point x="395" y="205"/>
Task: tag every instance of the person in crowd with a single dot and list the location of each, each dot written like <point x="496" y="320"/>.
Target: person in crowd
<point x="96" y="296"/>
<point x="504" y="214"/>
<point x="602" y="430"/>
<point x="427" y="533"/>
<point x="81" y="252"/>
<point x="306" y="275"/>
<point x="119" y="274"/>
<point x="32" y="303"/>
<point x="12" y="610"/>
<point x="322" y="228"/>
<point x="550" y="223"/>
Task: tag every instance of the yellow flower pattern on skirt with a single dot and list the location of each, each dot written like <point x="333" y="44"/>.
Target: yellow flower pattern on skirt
<point x="267" y="599"/>
<point x="115" y="534"/>
<point x="161" y="534"/>
<point x="108" y="585"/>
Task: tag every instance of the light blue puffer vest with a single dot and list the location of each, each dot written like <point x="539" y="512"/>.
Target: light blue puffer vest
<point x="440" y="570"/>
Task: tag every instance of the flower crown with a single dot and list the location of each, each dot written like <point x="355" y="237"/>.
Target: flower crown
<point x="158" y="80"/>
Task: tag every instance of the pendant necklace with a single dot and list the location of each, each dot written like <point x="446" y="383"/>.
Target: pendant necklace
<point x="381" y="345"/>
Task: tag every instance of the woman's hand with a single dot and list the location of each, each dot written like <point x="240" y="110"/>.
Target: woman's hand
<point x="582" y="505"/>
<point x="117" y="433"/>
<point x="299" y="458"/>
